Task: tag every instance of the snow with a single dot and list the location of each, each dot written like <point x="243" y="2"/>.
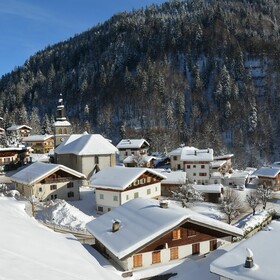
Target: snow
<point x="29" y="250"/>
<point x="212" y="188"/>
<point x="59" y="212"/>
<point x="267" y="172"/>
<point x="119" y="177"/>
<point x="173" y="177"/>
<point x="37" y="138"/>
<point x="194" y="154"/>
<point x="266" y="252"/>
<point x="86" y="144"/>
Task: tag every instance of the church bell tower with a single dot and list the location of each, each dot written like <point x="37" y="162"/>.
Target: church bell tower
<point x="61" y="127"/>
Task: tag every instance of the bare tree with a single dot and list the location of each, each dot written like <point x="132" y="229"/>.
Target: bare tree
<point x="253" y="200"/>
<point x="187" y="194"/>
<point x="231" y="204"/>
<point x="264" y="194"/>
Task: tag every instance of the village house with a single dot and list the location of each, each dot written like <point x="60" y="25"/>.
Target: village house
<point x="13" y="157"/>
<point x="139" y="161"/>
<point x="47" y="181"/>
<point x="86" y="153"/>
<point x="252" y="258"/>
<point x="18" y="130"/>
<point x="223" y="162"/>
<point x="145" y="232"/>
<point x="117" y="185"/>
<point x="132" y="147"/>
<point x="41" y="144"/>
<point x="269" y="177"/>
<point x="174" y="179"/>
<point x="211" y="192"/>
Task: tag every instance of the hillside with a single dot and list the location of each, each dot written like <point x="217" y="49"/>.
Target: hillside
<point x="200" y="72"/>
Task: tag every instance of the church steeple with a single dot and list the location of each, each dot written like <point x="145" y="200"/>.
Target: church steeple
<point x="62" y="128"/>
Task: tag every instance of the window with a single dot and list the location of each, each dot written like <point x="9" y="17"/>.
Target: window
<point x="202" y="174"/>
<point x="96" y="160"/>
<point x="176" y="234"/>
<point x="148" y="191"/>
<point x="213" y="245"/>
<point x="202" y="166"/>
<point x="127" y="197"/>
<point x="40" y="189"/>
<point x="194" y="166"/>
<point x="136" y="195"/>
<point x="148" y="179"/>
<point x="100" y="209"/>
<point x="191" y="232"/>
<point x="115" y="198"/>
<point x="53" y="196"/>
<point x="70" y="194"/>
<point x="70" y="185"/>
<point x="194" y="174"/>
<point x="137" y="261"/>
<point x="7" y="160"/>
<point x="175" y="157"/>
<point x="53" y="187"/>
<point x="156" y="257"/>
<point x="195" y="249"/>
<point x="174" y="253"/>
<point x="101" y="196"/>
<point x="60" y="131"/>
<point x="188" y="166"/>
<point x="65" y="131"/>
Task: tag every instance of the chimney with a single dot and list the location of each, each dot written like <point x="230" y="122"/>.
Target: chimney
<point x="116" y="224"/>
<point x="249" y="263"/>
<point x="163" y="204"/>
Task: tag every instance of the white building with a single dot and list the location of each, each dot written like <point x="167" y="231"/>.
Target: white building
<point x="117" y="185"/>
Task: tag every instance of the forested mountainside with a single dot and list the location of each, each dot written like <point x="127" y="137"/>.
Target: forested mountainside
<point x="203" y="73"/>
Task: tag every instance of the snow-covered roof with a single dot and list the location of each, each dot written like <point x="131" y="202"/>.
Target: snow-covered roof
<point x="61" y="123"/>
<point x="212" y="188"/>
<point x="132" y="143"/>
<point x="275" y="164"/>
<point x="32" y="251"/>
<point x="32" y="138"/>
<point x="173" y="177"/>
<point x="218" y="163"/>
<point x="17" y="127"/>
<point x="37" y="171"/>
<point x="86" y="144"/>
<point x="142" y="221"/>
<point x="215" y="175"/>
<point x="267" y="172"/>
<point x="241" y="174"/>
<point x="142" y="159"/>
<point x="266" y="253"/>
<point x="119" y="177"/>
<point x="176" y="152"/>
<point x="223" y="157"/>
<point x="194" y="154"/>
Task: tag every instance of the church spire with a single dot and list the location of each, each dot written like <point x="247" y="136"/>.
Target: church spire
<point x="62" y="128"/>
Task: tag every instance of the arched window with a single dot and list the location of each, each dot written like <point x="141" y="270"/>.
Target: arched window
<point x="65" y="131"/>
<point x="60" y="131"/>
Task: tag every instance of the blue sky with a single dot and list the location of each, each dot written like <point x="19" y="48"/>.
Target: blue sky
<point x="27" y="26"/>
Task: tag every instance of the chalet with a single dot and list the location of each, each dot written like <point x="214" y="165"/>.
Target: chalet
<point x="174" y="179"/>
<point x="146" y="232"/>
<point x="19" y="130"/>
<point x="139" y="161"/>
<point x="175" y="159"/>
<point x="48" y="181"/>
<point x="269" y="176"/>
<point x="130" y="147"/>
<point x="13" y="157"/>
<point x="226" y="161"/>
<point x="236" y="178"/>
<point x="252" y="258"/>
<point x="117" y="185"/>
<point x="86" y="153"/>
<point x="41" y="144"/>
